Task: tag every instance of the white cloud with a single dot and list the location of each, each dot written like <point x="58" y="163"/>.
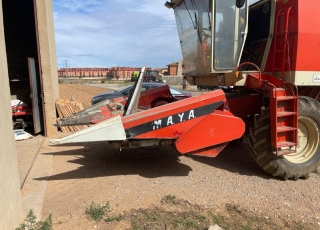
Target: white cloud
<point x="117" y="34"/>
<point x="76" y="5"/>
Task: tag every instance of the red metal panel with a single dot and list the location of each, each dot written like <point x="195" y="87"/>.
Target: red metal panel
<point x="252" y="81"/>
<point x="216" y="128"/>
<point x="22" y="113"/>
<point x="308" y="50"/>
<point x="308" y="54"/>
<point x="212" y="151"/>
<point x="173" y="108"/>
<point x="168" y="123"/>
<point x="149" y="96"/>
<point x="244" y="105"/>
<point x="303" y="36"/>
<point x="172" y="131"/>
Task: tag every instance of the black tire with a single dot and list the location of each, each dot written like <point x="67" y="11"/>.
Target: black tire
<point x="294" y="166"/>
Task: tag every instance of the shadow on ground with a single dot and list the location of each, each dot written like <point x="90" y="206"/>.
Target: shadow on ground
<point x="101" y="160"/>
<point x="235" y="158"/>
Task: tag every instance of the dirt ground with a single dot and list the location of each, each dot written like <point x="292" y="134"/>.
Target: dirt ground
<point x="78" y="92"/>
<point x="138" y="179"/>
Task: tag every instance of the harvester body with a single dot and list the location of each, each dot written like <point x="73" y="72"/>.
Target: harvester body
<point x="267" y="51"/>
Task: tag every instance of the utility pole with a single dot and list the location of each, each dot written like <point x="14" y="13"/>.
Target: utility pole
<point x="66" y="66"/>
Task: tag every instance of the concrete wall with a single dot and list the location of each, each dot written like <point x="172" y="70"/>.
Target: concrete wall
<point x="10" y="197"/>
<point x="48" y="62"/>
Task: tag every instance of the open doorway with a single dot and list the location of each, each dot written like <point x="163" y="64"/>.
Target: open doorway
<point x="23" y="64"/>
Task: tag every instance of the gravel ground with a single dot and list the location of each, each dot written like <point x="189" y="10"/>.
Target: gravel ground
<point x="139" y="178"/>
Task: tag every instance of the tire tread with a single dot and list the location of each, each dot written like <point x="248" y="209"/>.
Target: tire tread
<point x="262" y="152"/>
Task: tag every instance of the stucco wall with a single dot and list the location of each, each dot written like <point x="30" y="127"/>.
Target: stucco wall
<point x="48" y="62"/>
<point x="10" y="197"/>
<point x="173" y="70"/>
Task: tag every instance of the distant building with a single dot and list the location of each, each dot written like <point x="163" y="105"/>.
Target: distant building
<point x="162" y="71"/>
<point x="175" y="68"/>
<point x="124" y="73"/>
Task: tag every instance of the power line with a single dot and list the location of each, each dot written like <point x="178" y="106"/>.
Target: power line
<point x="66" y="66"/>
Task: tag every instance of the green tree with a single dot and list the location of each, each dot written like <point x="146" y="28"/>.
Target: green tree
<point x="109" y="76"/>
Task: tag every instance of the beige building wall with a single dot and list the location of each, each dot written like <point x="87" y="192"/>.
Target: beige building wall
<point x="48" y="60"/>
<point x="10" y="197"/>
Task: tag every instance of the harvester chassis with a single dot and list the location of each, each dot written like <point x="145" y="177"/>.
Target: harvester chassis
<point x="204" y="125"/>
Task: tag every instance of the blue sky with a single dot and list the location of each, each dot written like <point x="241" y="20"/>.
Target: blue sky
<point x="104" y="33"/>
<point x="109" y="33"/>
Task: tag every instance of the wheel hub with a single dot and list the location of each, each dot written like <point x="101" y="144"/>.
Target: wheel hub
<point x="308" y="141"/>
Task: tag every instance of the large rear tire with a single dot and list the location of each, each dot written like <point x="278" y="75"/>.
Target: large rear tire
<point x="292" y="166"/>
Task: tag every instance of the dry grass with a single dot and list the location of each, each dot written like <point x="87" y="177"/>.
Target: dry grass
<point x="174" y="213"/>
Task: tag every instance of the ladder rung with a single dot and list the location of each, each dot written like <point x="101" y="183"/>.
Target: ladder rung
<point x="280" y="89"/>
<point x="285" y="144"/>
<point x="284" y="98"/>
<point x="285" y="113"/>
<point x="285" y="129"/>
<point x="285" y="152"/>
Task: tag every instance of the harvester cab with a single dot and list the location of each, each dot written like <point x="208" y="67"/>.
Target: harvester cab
<point x="255" y="48"/>
<point x="212" y="35"/>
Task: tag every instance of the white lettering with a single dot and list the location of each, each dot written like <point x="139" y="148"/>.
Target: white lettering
<point x="316" y="78"/>
<point x="170" y="122"/>
<point x="157" y="124"/>
<point x="181" y="116"/>
<point x="191" y="114"/>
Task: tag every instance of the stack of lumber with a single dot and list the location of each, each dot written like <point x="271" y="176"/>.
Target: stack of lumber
<point x="65" y="109"/>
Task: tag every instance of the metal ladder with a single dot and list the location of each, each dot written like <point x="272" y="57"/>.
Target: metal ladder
<point x="284" y="119"/>
<point x="278" y="64"/>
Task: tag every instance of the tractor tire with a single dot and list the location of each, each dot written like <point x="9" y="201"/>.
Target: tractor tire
<point x="296" y="165"/>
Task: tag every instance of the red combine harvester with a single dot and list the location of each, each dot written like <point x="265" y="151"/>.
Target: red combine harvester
<point x="277" y="44"/>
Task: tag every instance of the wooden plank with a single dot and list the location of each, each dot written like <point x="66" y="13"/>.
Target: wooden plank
<point x="66" y="108"/>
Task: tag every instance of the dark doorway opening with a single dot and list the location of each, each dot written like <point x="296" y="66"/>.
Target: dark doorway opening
<point x="23" y="63"/>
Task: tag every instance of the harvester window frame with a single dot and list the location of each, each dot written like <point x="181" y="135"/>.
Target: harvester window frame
<point x="268" y="39"/>
<point x="237" y="50"/>
<point x="271" y="30"/>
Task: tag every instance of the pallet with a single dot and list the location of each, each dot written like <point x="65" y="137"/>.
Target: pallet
<point x="66" y="108"/>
